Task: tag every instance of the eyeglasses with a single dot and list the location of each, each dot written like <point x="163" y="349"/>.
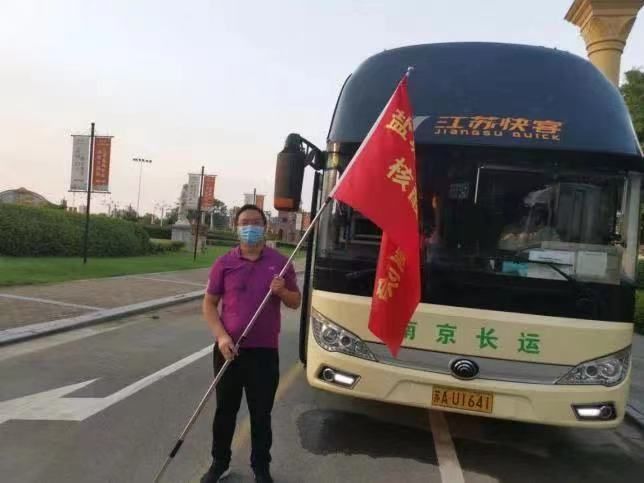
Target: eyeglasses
<point x="256" y="221"/>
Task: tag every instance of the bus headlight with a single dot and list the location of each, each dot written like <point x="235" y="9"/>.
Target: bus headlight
<point x="334" y="338"/>
<point x="608" y="370"/>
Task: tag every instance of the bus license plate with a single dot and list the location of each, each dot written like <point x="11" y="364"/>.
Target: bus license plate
<point x="482" y="402"/>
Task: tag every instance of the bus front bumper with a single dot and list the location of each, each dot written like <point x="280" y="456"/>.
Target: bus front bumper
<point x="533" y="403"/>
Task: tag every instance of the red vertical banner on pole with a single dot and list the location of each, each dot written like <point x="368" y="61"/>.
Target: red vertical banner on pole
<point x="101" y="171"/>
<point x="259" y="202"/>
<point x="208" y="198"/>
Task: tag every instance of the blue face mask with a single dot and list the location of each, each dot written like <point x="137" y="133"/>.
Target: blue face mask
<point x="251" y="234"/>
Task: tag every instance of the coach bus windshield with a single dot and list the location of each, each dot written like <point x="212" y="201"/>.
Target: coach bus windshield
<point x="497" y="226"/>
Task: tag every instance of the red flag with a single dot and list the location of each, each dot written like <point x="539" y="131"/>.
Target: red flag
<point x="380" y="183"/>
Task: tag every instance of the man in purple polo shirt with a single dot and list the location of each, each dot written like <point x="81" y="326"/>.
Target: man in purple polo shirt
<point x="239" y="280"/>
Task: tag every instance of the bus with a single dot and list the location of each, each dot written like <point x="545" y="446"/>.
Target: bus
<point x="529" y="177"/>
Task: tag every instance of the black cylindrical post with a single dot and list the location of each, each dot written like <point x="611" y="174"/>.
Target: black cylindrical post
<point x="89" y="193"/>
<point x="198" y="213"/>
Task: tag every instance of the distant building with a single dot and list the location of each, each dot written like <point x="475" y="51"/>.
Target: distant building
<point x="23" y="196"/>
<point x="284" y="228"/>
<point x="254" y="199"/>
<point x="290" y="226"/>
<point x="306" y="220"/>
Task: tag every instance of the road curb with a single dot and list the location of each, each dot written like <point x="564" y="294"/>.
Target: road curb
<point x="635" y="411"/>
<point x="32" y="331"/>
<point x="20" y="334"/>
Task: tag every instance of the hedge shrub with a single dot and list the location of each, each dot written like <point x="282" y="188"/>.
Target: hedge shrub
<point x="31" y="231"/>
<point x="222" y="235"/>
<point x="158" y="232"/>
<point x="164" y="246"/>
<point x="282" y="244"/>
<point x="221" y="243"/>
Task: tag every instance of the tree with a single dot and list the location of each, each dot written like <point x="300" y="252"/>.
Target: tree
<point x="149" y="219"/>
<point x="127" y="214"/>
<point x="219" y="215"/>
<point x="633" y="92"/>
<point x="191" y="215"/>
<point x="171" y="216"/>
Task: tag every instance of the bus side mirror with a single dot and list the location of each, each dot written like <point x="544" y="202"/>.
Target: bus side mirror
<point x="289" y="175"/>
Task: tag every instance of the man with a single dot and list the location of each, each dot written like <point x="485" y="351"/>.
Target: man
<point x="240" y="280"/>
<point x="530" y="232"/>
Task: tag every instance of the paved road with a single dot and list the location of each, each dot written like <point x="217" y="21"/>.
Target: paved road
<point x="319" y="437"/>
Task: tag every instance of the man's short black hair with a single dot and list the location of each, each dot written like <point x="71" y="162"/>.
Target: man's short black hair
<point x="250" y="207"/>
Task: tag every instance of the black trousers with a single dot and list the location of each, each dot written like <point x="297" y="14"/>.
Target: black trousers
<point x="256" y="372"/>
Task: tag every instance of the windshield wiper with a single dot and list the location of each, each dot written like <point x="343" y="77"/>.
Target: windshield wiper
<point x="551" y="265"/>
<point x="371" y="271"/>
<point x="516" y="259"/>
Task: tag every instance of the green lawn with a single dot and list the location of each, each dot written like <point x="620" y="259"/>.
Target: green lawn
<point x="31" y="270"/>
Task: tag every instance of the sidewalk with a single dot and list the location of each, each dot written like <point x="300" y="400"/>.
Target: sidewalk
<point x="34" y="310"/>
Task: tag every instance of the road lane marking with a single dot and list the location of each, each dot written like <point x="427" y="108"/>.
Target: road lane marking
<point x="448" y="464"/>
<point x="184" y="282"/>
<point x="44" y="343"/>
<point x="53" y="405"/>
<point x="48" y="301"/>
<point x="286" y="381"/>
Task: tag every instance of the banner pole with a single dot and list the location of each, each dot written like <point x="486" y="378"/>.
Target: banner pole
<point x="89" y="194"/>
<point x="198" y="214"/>
<point x="227" y="363"/>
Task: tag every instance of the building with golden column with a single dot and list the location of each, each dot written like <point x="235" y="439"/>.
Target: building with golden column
<point x="605" y="26"/>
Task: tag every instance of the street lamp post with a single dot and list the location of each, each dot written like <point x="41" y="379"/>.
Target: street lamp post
<point x="162" y="206"/>
<point x="141" y="161"/>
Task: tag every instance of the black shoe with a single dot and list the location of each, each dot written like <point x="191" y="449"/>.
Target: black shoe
<point x="215" y="473"/>
<point x="263" y="476"/>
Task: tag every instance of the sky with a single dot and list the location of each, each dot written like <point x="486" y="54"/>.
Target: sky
<point x="212" y="82"/>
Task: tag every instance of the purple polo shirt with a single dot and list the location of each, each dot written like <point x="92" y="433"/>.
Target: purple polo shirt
<point x="242" y="285"/>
